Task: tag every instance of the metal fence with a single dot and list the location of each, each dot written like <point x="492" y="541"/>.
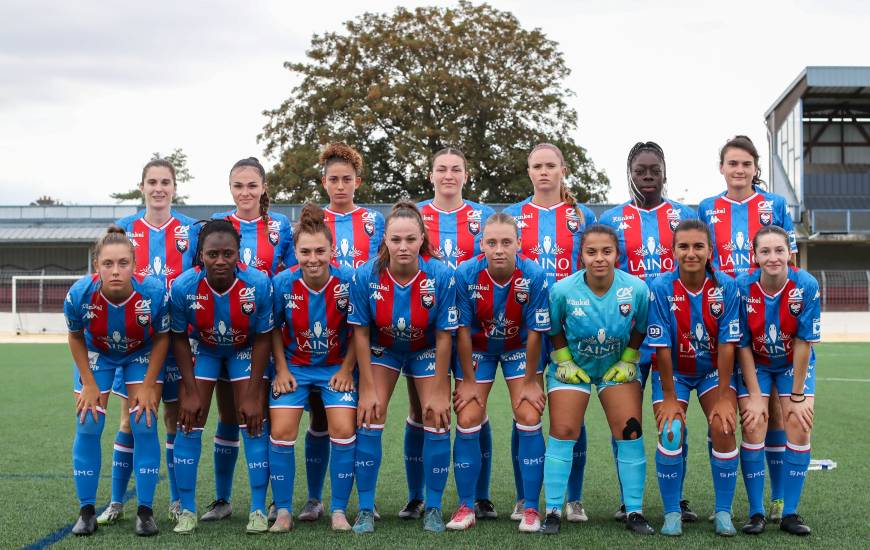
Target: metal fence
<point x="844" y="290"/>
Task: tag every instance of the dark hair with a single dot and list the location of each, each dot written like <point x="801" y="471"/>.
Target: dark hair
<point x="564" y="193"/>
<point x="340" y="152"/>
<point x="745" y="144"/>
<point x="697" y="225"/>
<point x="600" y="229"/>
<point x="212" y="227"/>
<point x="644" y="147"/>
<point x="451" y="151"/>
<point x="252" y="162"/>
<point x="408" y="210"/>
<point x="113" y="235"/>
<point x="771" y="230"/>
<point x="311" y="223"/>
<point x="501" y="217"/>
<point x="158" y="163"/>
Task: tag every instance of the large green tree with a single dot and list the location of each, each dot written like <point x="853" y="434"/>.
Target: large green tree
<point x="400" y="86"/>
<point x="178" y="159"/>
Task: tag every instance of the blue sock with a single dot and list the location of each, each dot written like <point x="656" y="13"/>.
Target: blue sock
<point x="316" y="462"/>
<point x="86" y="456"/>
<point x="436" y="465"/>
<point x="685" y="473"/>
<point x="414" y="459"/>
<point x="669" y="471"/>
<point x="797" y="460"/>
<point x="773" y="450"/>
<point x="282" y="472"/>
<point x="188" y="447"/>
<point x="146" y="458"/>
<point x="367" y="464"/>
<point x="257" y="457"/>
<point x="341" y="471"/>
<point x="631" y="465"/>
<point x="557" y="468"/>
<point x="122" y="465"/>
<point x="466" y="463"/>
<point x="515" y="461"/>
<point x="482" y="492"/>
<point x="752" y="464"/>
<point x="614" y="450"/>
<point x="226" y="451"/>
<point x="724" y="465"/>
<point x="531" y="454"/>
<point x="578" y="468"/>
<point x="170" y="467"/>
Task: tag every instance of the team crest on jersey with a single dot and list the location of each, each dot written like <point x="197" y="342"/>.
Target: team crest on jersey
<point x="673" y="218"/>
<point x="247" y="300"/>
<point x="248" y="308"/>
<point x="795" y="308"/>
<point x="369" y="228"/>
<point x="625" y="309"/>
<point x="521" y="290"/>
<point x="342" y="296"/>
<point x="273" y="238"/>
<point x="182" y="245"/>
<point x="427" y="300"/>
<point x="571" y="220"/>
<point x="716" y="309"/>
<point x="765" y="218"/>
<point x="795" y="301"/>
<point x="474" y="217"/>
<point x="143" y="312"/>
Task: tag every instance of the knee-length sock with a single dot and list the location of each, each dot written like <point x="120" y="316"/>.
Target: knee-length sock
<point x="146" y="458"/>
<point x="578" y="468"/>
<point x="557" y="468"/>
<point x="531" y="463"/>
<point x="122" y="464"/>
<point x="436" y="464"/>
<point x="341" y="471"/>
<point x="257" y="457"/>
<point x="724" y="466"/>
<point x="773" y="451"/>
<point x="631" y="465"/>
<point x="316" y="462"/>
<point x="188" y="447"/>
<point x="282" y="472"/>
<point x="467" y="463"/>
<point x="752" y="465"/>
<point x="86" y="456"/>
<point x="797" y="460"/>
<point x="368" y="464"/>
<point x="482" y="490"/>
<point x="226" y="452"/>
<point x="414" y="459"/>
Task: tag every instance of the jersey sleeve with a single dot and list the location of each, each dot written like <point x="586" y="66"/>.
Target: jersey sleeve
<point x="557" y="311"/>
<point x="161" y="318"/>
<point x="72" y="308"/>
<point x="588" y="214"/>
<point x="787" y="224"/>
<point x="464" y="303"/>
<point x="705" y="204"/>
<point x="743" y="316"/>
<point x="730" y="328"/>
<point x="360" y="314"/>
<point x="687" y="213"/>
<point x="658" y="331"/>
<point x="379" y="230"/>
<point x="264" y="321"/>
<point x="278" y="303"/>
<point x="538" y="310"/>
<point x="288" y="252"/>
<point x="810" y="319"/>
<point x="641" y="305"/>
<point x="178" y="307"/>
<point x="447" y="316"/>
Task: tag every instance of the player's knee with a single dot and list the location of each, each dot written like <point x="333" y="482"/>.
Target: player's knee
<point x="632" y="429"/>
<point x="527" y="416"/>
<point x="283" y="431"/>
<point x="141" y="427"/>
<point x="470" y="416"/>
<point x="91" y="426"/>
<point x="342" y="431"/>
<point x="564" y="431"/>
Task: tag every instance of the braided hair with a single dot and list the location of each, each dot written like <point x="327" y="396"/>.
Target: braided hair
<point x="644" y="147"/>
<point x="745" y="144"/>
<point x="211" y="227"/>
<point x="698" y="225"/>
<point x="252" y="162"/>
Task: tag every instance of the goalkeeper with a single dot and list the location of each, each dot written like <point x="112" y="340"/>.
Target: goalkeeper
<point x="599" y="319"/>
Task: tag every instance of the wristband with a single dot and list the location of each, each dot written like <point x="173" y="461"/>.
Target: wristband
<point x="791" y="398"/>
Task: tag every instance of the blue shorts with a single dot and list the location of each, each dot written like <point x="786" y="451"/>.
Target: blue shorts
<point x="782" y="378"/>
<point x="419" y="364"/>
<point x="513" y="366"/>
<point x="307" y="379"/>
<point x="554" y="384"/>
<point x="133" y="373"/>
<point x="99" y="361"/>
<point x="169" y="373"/>
<point x="209" y="367"/>
<point x="683" y="385"/>
<point x="268" y="374"/>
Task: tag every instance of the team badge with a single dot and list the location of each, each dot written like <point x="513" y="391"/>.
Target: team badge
<point x="273" y="238"/>
<point x="625" y="309"/>
<point x="275" y="393"/>
<point x="573" y="225"/>
<point x="765" y="218"/>
<point x="795" y="308"/>
<point x="521" y="290"/>
<point x="369" y="228"/>
<point x="474" y="227"/>
<point x="378" y="352"/>
<point x="144" y="319"/>
<point x="428" y="300"/>
<point x="522" y="297"/>
<point x="673" y="218"/>
<point x="181" y="245"/>
<point x="341" y="303"/>
<point x="248" y="308"/>
<point x="716" y="309"/>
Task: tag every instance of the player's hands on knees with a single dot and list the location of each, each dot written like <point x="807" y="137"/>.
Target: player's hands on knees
<point x="189" y="409"/>
<point x="533" y="394"/>
<point x="284" y="382"/>
<point x="669" y="410"/>
<point x="724" y="410"/>
<point x="753" y="412"/>
<point x="803" y="412"/>
<point x="368" y="409"/>
<point x="437" y="410"/>
<point x="465" y="393"/>
<point x="146" y="401"/>
<point x="87" y="400"/>
<point x="341" y="381"/>
<point x="624" y="370"/>
<point x="567" y="370"/>
<point x="251" y="413"/>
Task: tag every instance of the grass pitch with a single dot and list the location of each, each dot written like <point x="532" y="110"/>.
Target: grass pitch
<point x="38" y="496"/>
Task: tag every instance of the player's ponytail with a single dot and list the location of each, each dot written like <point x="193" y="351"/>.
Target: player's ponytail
<point x="252" y="162"/>
<point x="408" y="210"/>
<point x="745" y="144"/>
<point x="113" y="235"/>
<point x="311" y="222"/>
<point x="698" y="225"/>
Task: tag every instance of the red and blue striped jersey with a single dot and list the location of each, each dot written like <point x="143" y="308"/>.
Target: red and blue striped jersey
<point x="222" y="322"/>
<point x="269" y="250"/>
<point x="456" y="234"/>
<point x="164" y="252"/>
<point x="356" y="235"/>
<point x="404" y="317"/>
<point x="313" y="323"/>
<point x="693" y="324"/>
<point x="773" y="322"/>
<point x="116" y="333"/>
<point x="551" y="236"/>
<point x="734" y="224"/>
<point x="500" y="315"/>
<point x="646" y="237"/>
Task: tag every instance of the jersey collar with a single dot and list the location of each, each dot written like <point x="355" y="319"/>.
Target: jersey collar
<point x="406" y="285"/>
<point x="162" y="227"/>
<point x="744" y="201"/>
<point x="240" y="220"/>
<point x="215" y="292"/>
<point x="544" y="208"/>
<point x="311" y="290"/>
<point x="639" y="209"/>
<point x="337" y="214"/>
<point x="435" y="208"/>
<point x="775" y="294"/>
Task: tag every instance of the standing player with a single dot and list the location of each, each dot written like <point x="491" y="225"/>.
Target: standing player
<point x="455" y="226"/>
<point x="311" y="303"/>
<point x="164" y="242"/>
<point x="782" y="320"/>
<point x="116" y="322"/>
<point x="551" y="224"/>
<point x="734" y="217"/>
<point x="404" y="309"/>
<point x="503" y="311"/>
<point x="694" y="326"/>
<point x="266" y="245"/>
<point x="229" y="309"/>
<point x="599" y="319"/>
<point x="357" y="234"/>
<point x="645" y="226"/>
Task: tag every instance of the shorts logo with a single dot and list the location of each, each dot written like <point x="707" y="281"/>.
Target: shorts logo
<point x="273" y="238"/>
<point x="654" y="331"/>
<point x="182" y="245"/>
<point x="377" y="352"/>
<point x="716" y="309"/>
<point x="625" y="309"/>
<point x="428" y="300"/>
<point x="452" y="315"/>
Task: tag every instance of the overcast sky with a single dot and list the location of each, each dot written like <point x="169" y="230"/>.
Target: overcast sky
<point x="90" y="89"/>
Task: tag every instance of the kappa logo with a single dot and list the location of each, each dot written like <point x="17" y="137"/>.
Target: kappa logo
<point x="714" y="220"/>
<point x="346" y="398"/>
<point x="476" y="295"/>
<point x="623" y="226"/>
<point x="578" y="312"/>
<point x="376" y="295"/>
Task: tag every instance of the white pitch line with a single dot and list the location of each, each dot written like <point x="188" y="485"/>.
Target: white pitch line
<point x="843" y="379"/>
